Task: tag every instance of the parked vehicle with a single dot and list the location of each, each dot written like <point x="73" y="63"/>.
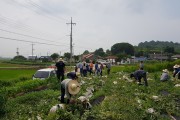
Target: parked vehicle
<point x="44" y="73"/>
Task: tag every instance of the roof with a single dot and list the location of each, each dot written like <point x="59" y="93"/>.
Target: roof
<point x="176" y="56"/>
<point x="46" y="69"/>
<point x="111" y="57"/>
<point x="88" y="55"/>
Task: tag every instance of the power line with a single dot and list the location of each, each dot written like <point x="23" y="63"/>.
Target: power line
<point x="29" y="41"/>
<point x="39" y="7"/>
<point x="44" y="9"/>
<point x="12" y="23"/>
<point x="28" y="36"/>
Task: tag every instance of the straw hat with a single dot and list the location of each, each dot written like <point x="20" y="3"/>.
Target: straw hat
<point x="60" y="59"/>
<point x="176" y="66"/>
<point x="165" y="70"/>
<point x="73" y="87"/>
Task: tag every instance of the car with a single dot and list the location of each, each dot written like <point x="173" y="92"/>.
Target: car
<point x="44" y="73"/>
<point x="104" y="62"/>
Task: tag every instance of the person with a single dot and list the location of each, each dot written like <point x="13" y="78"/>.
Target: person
<point x="141" y="65"/>
<point x="72" y="75"/>
<point x="108" y="66"/>
<point x="80" y="66"/>
<point x="164" y="75"/>
<point x="91" y="67"/>
<point x="176" y="71"/>
<point x="101" y="68"/>
<point x="84" y="69"/>
<point x="69" y="87"/>
<point x="138" y="75"/>
<point x="97" y="69"/>
<point x="60" y="69"/>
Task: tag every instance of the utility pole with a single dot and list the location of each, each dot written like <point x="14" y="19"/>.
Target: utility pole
<point x="32" y="50"/>
<point x="71" y="39"/>
<point x="17" y="52"/>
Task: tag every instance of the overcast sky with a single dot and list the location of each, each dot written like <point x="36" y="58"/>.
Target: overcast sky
<point x="99" y="24"/>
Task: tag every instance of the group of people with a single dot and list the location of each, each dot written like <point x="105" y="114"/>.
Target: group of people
<point x="165" y="75"/>
<point x="70" y="85"/>
<point x="96" y="69"/>
<point x="139" y="74"/>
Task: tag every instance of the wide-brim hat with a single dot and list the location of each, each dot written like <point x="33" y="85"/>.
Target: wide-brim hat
<point x="60" y="59"/>
<point x="73" y="87"/>
<point x="165" y="70"/>
<point x="176" y="66"/>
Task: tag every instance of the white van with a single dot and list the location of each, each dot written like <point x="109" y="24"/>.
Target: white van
<point x="44" y="73"/>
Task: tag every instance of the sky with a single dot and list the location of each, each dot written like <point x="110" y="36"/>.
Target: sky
<point x="41" y="25"/>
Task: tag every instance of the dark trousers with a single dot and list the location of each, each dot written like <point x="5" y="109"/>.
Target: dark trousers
<point x="101" y="72"/>
<point x="62" y="96"/>
<point x="144" y="77"/>
<point x="60" y="76"/>
<point x="90" y="71"/>
<point x="81" y="72"/>
<point x="108" y="71"/>
<point x="178" y="74"/>
<point x="84" y="73"/>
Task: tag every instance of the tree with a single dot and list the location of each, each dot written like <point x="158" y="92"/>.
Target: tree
<point x="67" y="55"/>
<point x="85" y="52"/>
<point x="99" y="52"/>
<point x="19" y="58"/>
<point x="54" y="56"/>
<point x="122" y="48"/>
<point x="76" y="57"/>
<point x="108" y="52"/>
<point x="168" y="49"/>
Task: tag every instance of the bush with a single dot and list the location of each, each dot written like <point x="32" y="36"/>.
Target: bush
<point x="3" y="100"/>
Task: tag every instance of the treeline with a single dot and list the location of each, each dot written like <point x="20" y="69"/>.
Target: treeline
<point x="164" y="46"/>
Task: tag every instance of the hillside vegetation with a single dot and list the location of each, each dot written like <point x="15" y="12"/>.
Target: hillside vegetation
<point x="159" y="45"/>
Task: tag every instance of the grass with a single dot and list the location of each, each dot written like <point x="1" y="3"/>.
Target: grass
<point x="10" y="65"/>
<point x="123" y="101"/>
<point x="10" y="74"/>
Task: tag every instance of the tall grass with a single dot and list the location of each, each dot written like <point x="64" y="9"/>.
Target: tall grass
<point x="10" y="74"/>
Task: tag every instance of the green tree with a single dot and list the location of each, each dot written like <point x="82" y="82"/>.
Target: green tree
<point x="108" y="52"/>
<point x="168" y="49"/>
<point x="76" y="57"/>
<point x="19" y="58"/>
<point x="67" y="55"/>
<point x="85" y="52"/>
<point x="54" y="56"/>
<point x="122" y="48"/>
<point x="100" y="52"/>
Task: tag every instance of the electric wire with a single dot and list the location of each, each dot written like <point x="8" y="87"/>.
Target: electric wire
<point x="29" y="36"/>
<point x="14" y="39"/>
<point x="45" y="10"/>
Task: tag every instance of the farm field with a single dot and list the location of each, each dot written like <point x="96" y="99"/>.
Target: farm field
<point x="115" y="97"/>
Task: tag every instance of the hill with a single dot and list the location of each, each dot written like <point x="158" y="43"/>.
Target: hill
<point x="159" y="45"/>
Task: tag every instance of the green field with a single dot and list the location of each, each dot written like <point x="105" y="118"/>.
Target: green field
<point x="123" y="99"/>
<point x="10" y="65"/>
<point x="11" y="74"/>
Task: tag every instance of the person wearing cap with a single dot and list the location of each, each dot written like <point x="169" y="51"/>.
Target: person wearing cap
<point x="60" y="69"/>
<point x="69" y="87"/>
<point x="176" y="71"/>
<point x="72" y="75"/>
<point x="164" y="75"/>
<point x="138" y="75"/>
